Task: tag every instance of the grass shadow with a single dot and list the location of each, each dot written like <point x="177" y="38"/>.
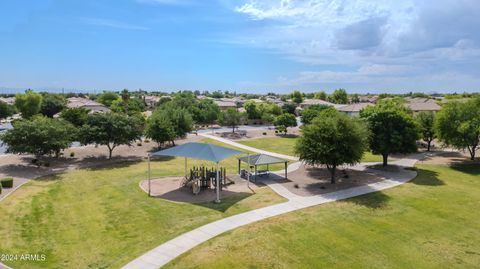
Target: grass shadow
<point x="469" y="167"/>
<point x="226" y="202"/>
<point x="427" y="178"/>
<point x="376" y="200"/>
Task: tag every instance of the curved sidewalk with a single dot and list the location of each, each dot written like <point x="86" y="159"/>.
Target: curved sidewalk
<point x="168" y="251"/>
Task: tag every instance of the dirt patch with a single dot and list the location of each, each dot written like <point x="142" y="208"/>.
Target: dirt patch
<point x="170" y="188"/>
<point x="308" y="180"/>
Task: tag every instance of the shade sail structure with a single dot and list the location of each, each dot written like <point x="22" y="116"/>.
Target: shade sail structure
<point x="201" y="151"/>
<point x="261" y="159"/>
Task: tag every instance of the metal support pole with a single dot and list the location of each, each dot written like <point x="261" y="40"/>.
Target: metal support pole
<point x="218" y="186"/>
<point x="186" y="167"/>
<point x="248" y="169"/>
<point x="286" y="170"/>
<point x="149" y="179"/>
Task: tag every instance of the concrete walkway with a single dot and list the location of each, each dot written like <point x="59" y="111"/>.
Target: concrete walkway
<point x="241" y="146"/>
<point x="168" y="251"/>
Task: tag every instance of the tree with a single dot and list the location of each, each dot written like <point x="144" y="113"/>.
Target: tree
<point x="76" y="116"/>
<point x="311" y="112"/>
<point x="208" y="112"/>
<point x="252" y="110"/>
<point x="6" y="110"/>
<point x="458" y="124"/>
<point x="231" y="117"/>
<point x="107" y="98"/>
<point x="355" y="98"/>
<point x="133" y="106"/>
<point x="28" y="103"/>
<point x="393" y="129"/>
<point x="125" y="99"/>
<point x="320" y="95"/>
<point x="182" y="122"/>
<point x="425" y="121"/>
<point x="52" y="104"/>
<point x="297" y="97"/>
<point x="159" y="128"/>
<point x="111" y="130"/>
<point x="289" y="108"/>
<point x="339" y="96"/>
<point x="333" y="140"/>
<point x="284" y="121"/>
<point x="39" y="136"/>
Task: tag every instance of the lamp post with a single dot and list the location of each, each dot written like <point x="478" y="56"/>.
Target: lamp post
<point x="218" y="185"/>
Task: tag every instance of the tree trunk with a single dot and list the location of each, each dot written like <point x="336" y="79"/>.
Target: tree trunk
<point x="110" y="150"/>
<point x="428" y="145"/>
<point x="233" y="129"/>
<point x="173" y="142"/>
<point x="385" y="159"/>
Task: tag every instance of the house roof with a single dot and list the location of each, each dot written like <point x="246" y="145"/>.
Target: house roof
<point x="422" y="104"/>
<point x="260" y="159"/>
<point x="356" y="107"/>
<point x="312" y="102"/>
<point x="200" y="151"/>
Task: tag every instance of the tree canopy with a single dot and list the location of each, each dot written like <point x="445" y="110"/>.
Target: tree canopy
<point x="231" y="117"/>
<point x="28" y="103"/>
<point x="107" y="98"/>
<point x="458" y="124"/>
<point x="6" y="110"/>
<point x="160" y="128"/>
<point x="425" y="121"/>
<point x="297" y="97"/>
<point x="284" y="121"/>
<point x="39" y="136"/>
<point x="393" y="129"/>
<point x="333" y="139"/>
<point x="339" y="96"/>
<point x="76" y="116"/>
<point x="320" y="95"/>
<point x="52" y="104"/>
<point x="111" y="130"/>
<point x="309" y="113"/>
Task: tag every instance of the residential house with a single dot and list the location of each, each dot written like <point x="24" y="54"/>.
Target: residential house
<point x="354" y="109"/>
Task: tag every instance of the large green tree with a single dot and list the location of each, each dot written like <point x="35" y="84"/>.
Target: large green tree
<point x="333" y="139"/>
<point x="458" y="124"/>
<point x="425" y="121"/>
<point x="284" y="121"/>
<point x="111" y="130"/>
<point x="39" y="136"/>
<point x="52" y="104"/>
<point x="107" y="98"/>
<point x="309" y="113"/>
<point x="76" y="116"/>
<point x="160" y="128"/>
<point x="297" y="97"/>
<point x="339" y="96"/>
<point x="320" y="95"/>
<point x="28" y="103"/>
<point x="393" y="129"/>
<point x="231" y="117"/>
<point x="6" y="110"/>
<point x="252" y="110"/>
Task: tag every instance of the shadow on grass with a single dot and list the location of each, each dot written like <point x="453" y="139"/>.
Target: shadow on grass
<point x="226" y="202"/>
<point x="427" y="178"/>
<point x="469" y="167"/>
<point x="376" y="200"/>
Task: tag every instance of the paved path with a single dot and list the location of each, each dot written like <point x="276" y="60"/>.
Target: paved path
<point x="238" y="145"/>
<point x="168" y="251"/>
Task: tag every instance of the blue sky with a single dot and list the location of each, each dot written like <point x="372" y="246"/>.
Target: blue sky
<point x="243" y="45"/>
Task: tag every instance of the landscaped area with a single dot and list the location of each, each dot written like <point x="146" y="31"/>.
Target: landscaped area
<point x="286" y="145"/>
<point x="431" y="222"/>
<point x="99" y="218"/>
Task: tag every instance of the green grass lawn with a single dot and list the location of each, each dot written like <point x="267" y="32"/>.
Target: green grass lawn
<point x="431" y="222"/>
<point x="99" y="218"/>
<point x="286" y="145"/>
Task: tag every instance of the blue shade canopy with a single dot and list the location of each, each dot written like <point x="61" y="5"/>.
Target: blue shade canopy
<point x="261" y="159"/>
<point x="201" y="151"/>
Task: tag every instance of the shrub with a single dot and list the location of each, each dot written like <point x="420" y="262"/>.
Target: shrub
<point x="0" y="188"/>
<point x="72" y="154"/>
<point x="139" y="144"/>
<point x="264" y="133"/>
<point x="146" y="141"/>
<point x="7" y="182"/>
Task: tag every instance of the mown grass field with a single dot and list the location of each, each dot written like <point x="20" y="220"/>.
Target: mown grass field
<point x="286" y="145"/>
<point x="431" y="222"/>
<point x="99" y="218"/>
